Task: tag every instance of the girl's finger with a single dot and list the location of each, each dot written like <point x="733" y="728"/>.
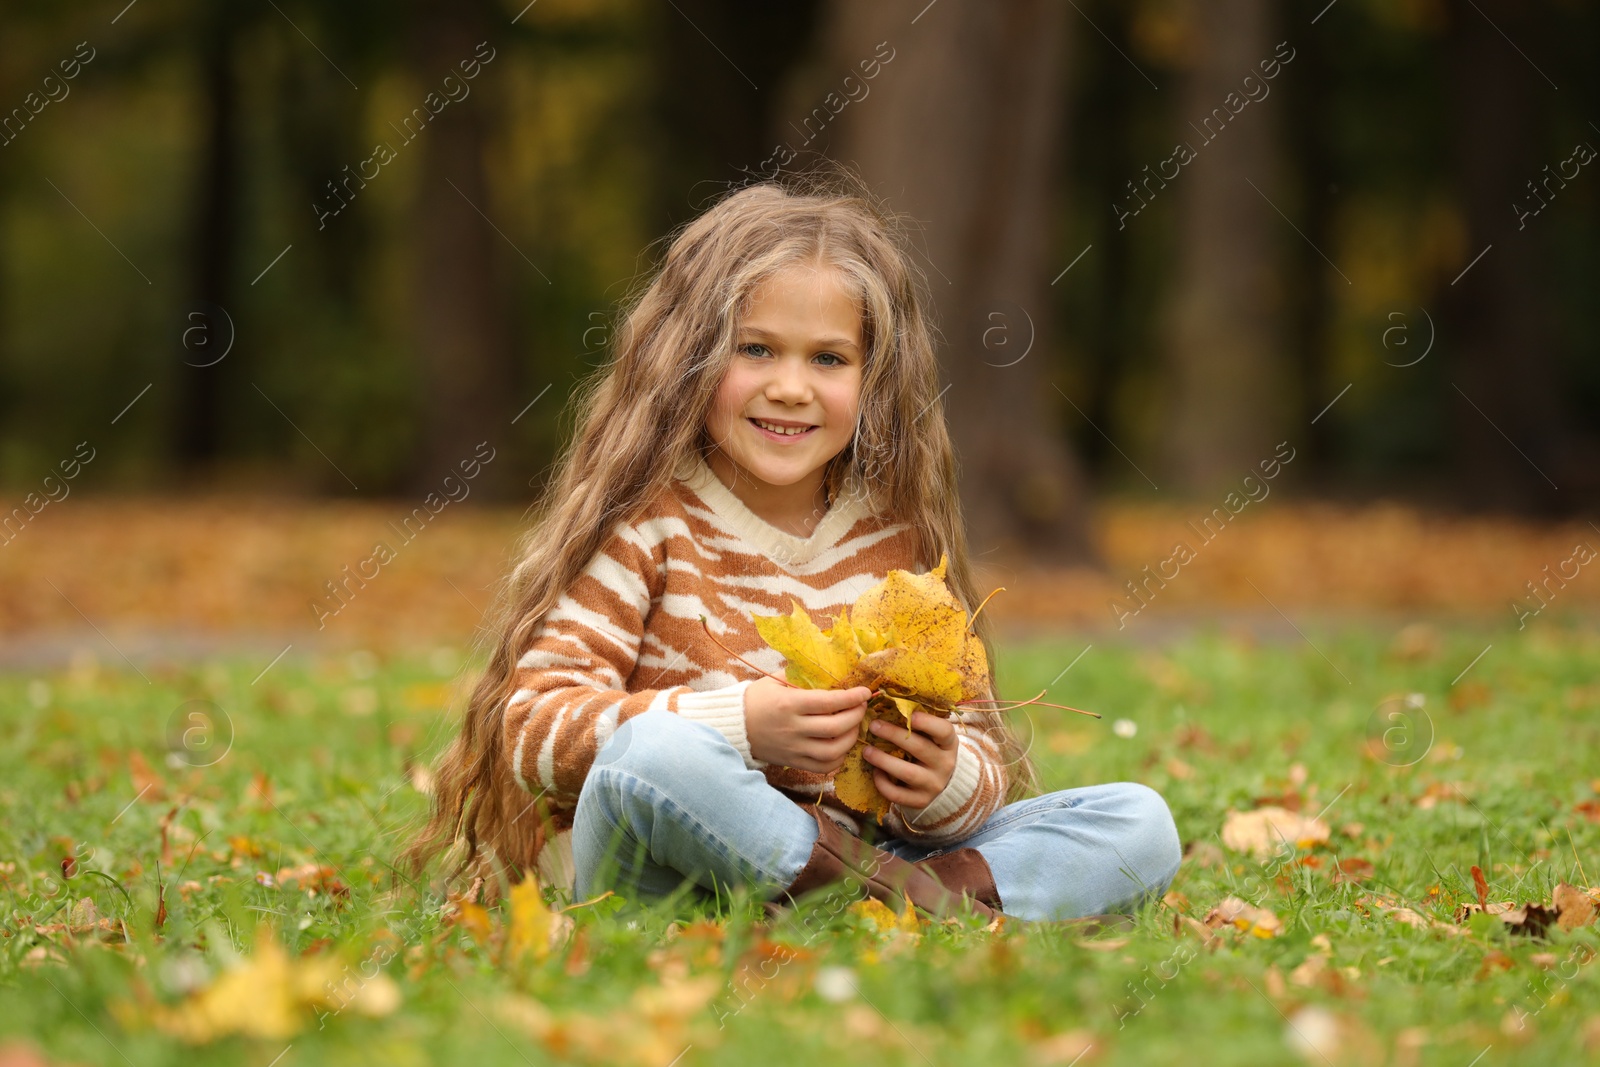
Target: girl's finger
<point x="914" y="775"/>
<point x="918" y="744"/>
<point x="897" y="793"/>
<point x="832" y="725"/>
<point x="942" y="730"/>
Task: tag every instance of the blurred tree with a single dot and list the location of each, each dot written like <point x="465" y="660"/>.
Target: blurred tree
<point x="963" y="129"/>
<point x="1514" y="435"/>
<point x="462" y="323"/>
<point x="1311" y="186"/>
<point x="1096" y="304"/>
<point x="717" y="71"/>
<point x="1228" y="379"/>
<point x="214" y="237"/>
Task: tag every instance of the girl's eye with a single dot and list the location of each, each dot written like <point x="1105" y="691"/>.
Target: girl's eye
<point x="756" y="350"/>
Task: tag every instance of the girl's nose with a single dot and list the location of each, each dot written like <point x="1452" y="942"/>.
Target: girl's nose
<point x="788" y="384"/>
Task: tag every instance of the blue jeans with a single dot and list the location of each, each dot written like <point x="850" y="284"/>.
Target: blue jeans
<point x="669" y="800"/>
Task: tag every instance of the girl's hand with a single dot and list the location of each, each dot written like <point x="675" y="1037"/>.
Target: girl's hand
<point x="808" y="729"/>
<point x="932" y="741"/>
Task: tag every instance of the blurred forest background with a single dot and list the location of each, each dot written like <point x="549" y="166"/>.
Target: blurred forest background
<point x="1382" y="251"/>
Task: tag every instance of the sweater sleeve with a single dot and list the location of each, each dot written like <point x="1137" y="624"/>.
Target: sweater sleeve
<point x="569" y="696"/>
<point x="976" y="790"/>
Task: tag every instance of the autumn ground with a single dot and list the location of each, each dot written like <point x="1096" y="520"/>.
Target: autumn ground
<point x="195" y="850"/>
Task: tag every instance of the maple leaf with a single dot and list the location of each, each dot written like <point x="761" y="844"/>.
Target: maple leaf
<point x="906" y="639"/>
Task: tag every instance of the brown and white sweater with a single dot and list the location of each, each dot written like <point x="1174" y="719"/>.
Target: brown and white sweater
<point x="626" y="638"/>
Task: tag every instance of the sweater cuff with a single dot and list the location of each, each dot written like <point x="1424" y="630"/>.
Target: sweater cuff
<point x="963" y="783"/>
<point x="722" y="710"/>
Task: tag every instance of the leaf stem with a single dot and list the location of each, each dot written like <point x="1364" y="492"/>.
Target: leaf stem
<point x="974" y="620"/>
<point x="707" y="628"/>
<point x="1035" y="701"/>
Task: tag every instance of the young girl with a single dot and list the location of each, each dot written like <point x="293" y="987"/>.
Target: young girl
<point x="769" y="431"/>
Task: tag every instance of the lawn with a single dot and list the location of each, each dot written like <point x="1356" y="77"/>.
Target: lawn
<point x="269" y="813"/>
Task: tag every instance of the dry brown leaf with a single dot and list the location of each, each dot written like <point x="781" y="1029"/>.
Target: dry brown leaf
<point x="147" y="784"/>
<point x="1267" y="831"/>
<point x="313" y="878"/>
<point x="652" y="1031"/>
<point x="1574" y="907"/>
<point x="1257" y="922"/>
<point x="1352" y="869"/>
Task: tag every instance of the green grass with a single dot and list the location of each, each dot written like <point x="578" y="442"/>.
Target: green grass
<point x="314" y="774"/>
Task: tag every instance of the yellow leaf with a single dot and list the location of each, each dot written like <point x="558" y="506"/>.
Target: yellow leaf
<point x="884" y="919"/>
<point x="854" y="787"/>
<point x="474" y="919"/>
<point x="534" y="927"/>
<point x="877" y="912"/>
<point x="816" y="659"/>
<point x="906" y="639"/>
<point x="270" y="995"/>
<point x="924" y="616"/>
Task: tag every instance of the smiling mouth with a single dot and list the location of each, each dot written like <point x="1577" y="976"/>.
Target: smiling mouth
<point x="773" y="429"/>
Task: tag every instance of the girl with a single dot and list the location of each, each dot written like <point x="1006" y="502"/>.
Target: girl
<point x="768" y="431"/>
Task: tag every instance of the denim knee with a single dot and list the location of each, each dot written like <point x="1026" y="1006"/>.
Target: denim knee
<point x="1155" y="837"/>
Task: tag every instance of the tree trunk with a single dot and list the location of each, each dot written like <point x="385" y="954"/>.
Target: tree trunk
<point x="1228" y="399"/>
<point x="1307" y="94"/>
<point x="1503" y="384"/>
<point x="207" y="330"/>
<point x="962" y="129"/>
<point x="717" y="68"/>
<point x="461" y="323"/>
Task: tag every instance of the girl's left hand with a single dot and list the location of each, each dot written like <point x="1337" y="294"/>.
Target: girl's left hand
<point x="932" y="742"/>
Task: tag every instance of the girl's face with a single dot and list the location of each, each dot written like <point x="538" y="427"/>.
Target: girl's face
<point x="797" y="367"/>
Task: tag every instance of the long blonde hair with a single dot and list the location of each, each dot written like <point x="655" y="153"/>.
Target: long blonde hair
<point x="643" y="412"/>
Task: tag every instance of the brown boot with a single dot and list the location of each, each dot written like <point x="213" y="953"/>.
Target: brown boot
<point x="841" y="856"/>
<point x="965" y="871"/>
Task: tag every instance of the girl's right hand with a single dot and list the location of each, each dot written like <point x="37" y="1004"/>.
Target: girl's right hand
<point x="808" y="729"/>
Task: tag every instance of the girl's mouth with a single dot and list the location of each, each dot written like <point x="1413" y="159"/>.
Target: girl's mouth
<point x="785" y="434"/>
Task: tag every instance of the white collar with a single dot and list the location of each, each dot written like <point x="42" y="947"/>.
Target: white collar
<point x="849" y="506"/>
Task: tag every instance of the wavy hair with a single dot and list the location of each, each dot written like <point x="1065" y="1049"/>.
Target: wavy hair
<point x="645" y="410"/>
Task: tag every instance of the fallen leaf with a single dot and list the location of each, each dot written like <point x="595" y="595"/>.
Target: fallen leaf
<point x="1494" y="960"/>
<point x="1257" y="922"/>
<point x="534" y="928"/>
<point x="314" y="878"/>
<point x="654" y="1030"/>
<point x="146" y="783"/>
<point x="884" y="919"/>
<point x="1574" y="907"/>
<point x="1206" y="934"/>
<point x="271" y="995"/>
<point x="1352" y="869"/>
<point x="1481" y="885"/>
<point x="1310" y="971"/>
<point x="1266" y="831"/>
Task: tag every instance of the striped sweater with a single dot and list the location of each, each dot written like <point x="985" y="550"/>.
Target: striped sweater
<point x="626" y="638"/>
